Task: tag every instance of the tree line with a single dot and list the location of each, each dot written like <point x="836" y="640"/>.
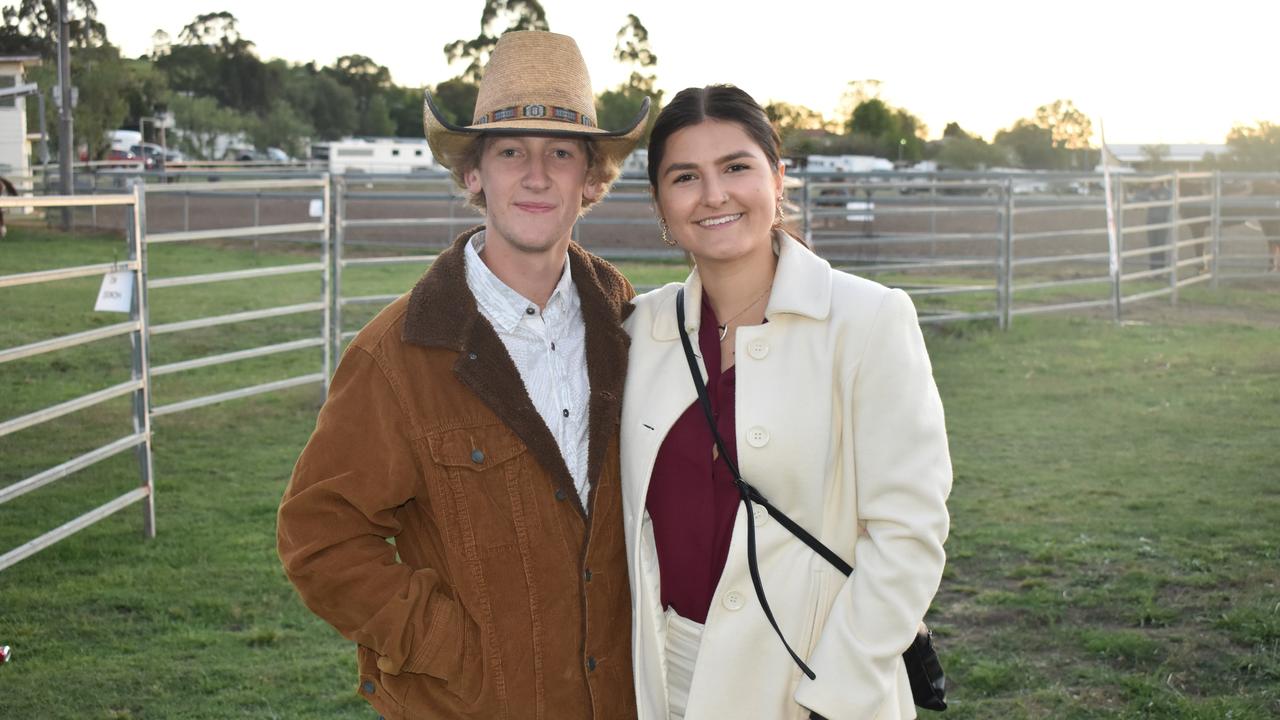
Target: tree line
<point x="214" y="83"/>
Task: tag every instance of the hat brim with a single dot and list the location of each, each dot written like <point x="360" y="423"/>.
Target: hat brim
<point x="449" y="142"/>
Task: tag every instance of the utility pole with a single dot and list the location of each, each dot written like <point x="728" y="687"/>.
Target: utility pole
<point x="66" y="137"/>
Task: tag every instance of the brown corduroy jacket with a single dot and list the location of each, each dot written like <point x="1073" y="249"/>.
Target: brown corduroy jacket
<point x="499" y="596"/>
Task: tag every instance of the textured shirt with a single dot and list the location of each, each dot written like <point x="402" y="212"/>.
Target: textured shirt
<point x="548" y="348"/>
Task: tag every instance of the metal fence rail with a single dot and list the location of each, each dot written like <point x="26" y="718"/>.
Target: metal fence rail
<point x="137" y="387"/>
<point x="323" y="305"/>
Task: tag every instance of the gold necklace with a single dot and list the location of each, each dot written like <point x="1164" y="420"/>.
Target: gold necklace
<point x="724" y="329"/>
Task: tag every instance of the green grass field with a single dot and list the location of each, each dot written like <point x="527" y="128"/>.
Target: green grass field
<point x="1116" y="511"/>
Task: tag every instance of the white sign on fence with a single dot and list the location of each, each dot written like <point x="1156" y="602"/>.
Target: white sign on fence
<point x="317" y="207"/>
<point x="116" y="293"/>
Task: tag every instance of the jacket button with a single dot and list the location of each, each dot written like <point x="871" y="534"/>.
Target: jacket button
<point x="477" y="456"/>
<point x="367" y="687"/>
<point x="760" y="514"/>
<point x="471" y="356"/>
<point x="733" y="600"/>
<point x="560" y="494"/>
<point x="591" y="663"/>
<point x="587" y="574"/>
<point x="758" y="349"/>
<point x="757" y="437"/>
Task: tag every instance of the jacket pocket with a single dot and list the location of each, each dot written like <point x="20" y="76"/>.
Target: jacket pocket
<point x="485" y="465"/>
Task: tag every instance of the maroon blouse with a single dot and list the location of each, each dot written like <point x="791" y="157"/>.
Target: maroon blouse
<point x="692" y="500"/>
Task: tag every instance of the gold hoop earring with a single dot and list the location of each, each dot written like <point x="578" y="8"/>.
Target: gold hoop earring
<point x="666" y="238"/>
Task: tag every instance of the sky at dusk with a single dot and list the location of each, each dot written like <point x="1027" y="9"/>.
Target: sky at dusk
<point x="1154" y="72"/>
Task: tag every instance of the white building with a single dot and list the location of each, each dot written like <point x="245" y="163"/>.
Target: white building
<point x="15" y="159"/>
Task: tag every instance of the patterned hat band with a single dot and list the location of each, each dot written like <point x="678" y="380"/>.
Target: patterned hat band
<point x="536" y="112"/>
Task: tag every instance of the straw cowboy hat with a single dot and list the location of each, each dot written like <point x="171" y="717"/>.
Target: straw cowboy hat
<point x="536" y="83"/>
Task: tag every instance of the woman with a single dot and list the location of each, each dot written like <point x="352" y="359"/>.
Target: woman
<point x="823" y="394"/>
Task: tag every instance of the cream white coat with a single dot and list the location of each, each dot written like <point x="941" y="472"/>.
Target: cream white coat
<point x="839" y="424"/>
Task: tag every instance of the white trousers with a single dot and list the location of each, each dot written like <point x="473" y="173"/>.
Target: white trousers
<point x="684" y="636"/>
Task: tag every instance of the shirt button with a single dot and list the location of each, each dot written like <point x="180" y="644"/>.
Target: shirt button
<point x="553" y="346"/>
<point x="733" y="600"/>
<point x="477" y="456"/>
<point x="565" y="412"/>
<point x="757" y="437"/>
<point x="529" y="310"/>
<point x="591" y="663"/>
<point x="758" y="349"/>
<point x="760" y="514"/>
<point x="367" y="687"/>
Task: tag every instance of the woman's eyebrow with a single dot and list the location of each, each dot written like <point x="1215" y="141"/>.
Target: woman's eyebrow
<point x="719" y="161"/>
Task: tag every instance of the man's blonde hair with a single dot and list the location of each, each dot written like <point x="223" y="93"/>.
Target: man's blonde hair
<point x="601" y="168"/>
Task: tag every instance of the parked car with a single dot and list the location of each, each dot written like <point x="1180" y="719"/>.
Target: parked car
<point x="152" y="154"/>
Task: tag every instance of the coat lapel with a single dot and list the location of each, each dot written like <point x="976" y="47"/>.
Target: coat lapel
<point x="443" y="313"/>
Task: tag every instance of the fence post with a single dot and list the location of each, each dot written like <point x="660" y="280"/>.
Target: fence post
<point x="339" y="237"/>
<point x="326" y="284"/>
<point x="1004" y="299"/>
<point x="142" y="352"/>
<point x="1117" y="297"/>
<point x="1216" y="223"/>
<point x="1174" y="233"/>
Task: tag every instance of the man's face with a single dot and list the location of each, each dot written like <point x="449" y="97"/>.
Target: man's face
<point x="533" y="190"/>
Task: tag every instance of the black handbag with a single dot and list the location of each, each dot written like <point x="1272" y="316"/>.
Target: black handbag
<point x="924" y="669"/>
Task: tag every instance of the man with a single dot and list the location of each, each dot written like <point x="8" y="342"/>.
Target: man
<point x="473" y="424"/>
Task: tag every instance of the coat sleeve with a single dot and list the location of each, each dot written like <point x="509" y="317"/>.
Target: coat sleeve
<point x="902" y="471"/>
<point x="340" y="509"/>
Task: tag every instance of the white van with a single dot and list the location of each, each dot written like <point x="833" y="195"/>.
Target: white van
<point x="381" y="155"/>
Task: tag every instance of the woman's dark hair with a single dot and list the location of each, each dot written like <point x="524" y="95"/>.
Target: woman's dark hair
<point x="715" y="102"/>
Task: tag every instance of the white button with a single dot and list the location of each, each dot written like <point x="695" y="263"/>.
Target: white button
<point x="733" y="600"/>
<point x="757" y="437"/>
<point x="758" y="349"/>
<point x="760" y="514"/>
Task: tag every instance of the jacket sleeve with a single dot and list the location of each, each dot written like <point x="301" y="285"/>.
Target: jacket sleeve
<point x="340" y="509"/>
<point x="902" y="471"/>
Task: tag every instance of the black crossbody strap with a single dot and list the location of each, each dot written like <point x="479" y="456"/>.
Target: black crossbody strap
<point x="748" y="493"/>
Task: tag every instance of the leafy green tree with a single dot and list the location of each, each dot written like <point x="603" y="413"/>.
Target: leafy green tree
<point x="1061" y="142"/>
<point x="632" y="48"/>
<point x="1069" y="128"/>
<point x="368" y="82"/>
<point x="200" y="120"/>
<point x="404" y="105"/>
<point x="103" y="80"/>
<point x="328" y="106"/>
<point x="872" y="117"/>
<point x="146" y="91"/>
<point x="505" y="14"/>
<point x="1255" y="148"/>
<point x="213" y="59"/>
<point x="31" y="27"/>
<point x="456" y="99"/>
<point x="894" y="132"/>
<point x="619" y="106"/>
<point x="953" y="130"/>
<point x="792" y="120"/>
<point x="962" y="152"/>
<point x="281" y="127"/>
<point x="1031" y="144"/>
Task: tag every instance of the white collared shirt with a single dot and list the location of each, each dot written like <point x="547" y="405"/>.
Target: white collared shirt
<point x="549" y="350"/>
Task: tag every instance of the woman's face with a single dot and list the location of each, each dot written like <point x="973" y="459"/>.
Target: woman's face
<point x="718" y="192"/>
